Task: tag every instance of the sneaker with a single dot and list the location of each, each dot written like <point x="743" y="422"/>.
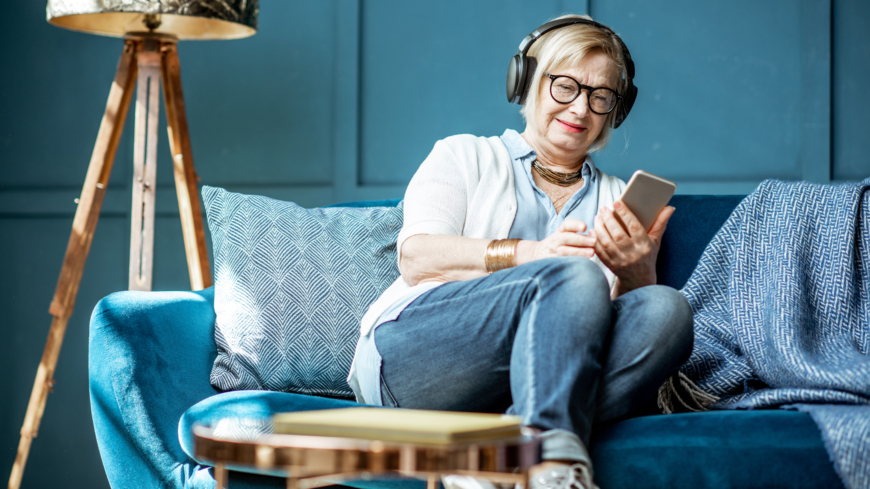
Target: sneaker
<point x="577" y="476"/>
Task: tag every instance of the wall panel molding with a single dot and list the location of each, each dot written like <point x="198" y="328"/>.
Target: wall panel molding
<point x="346" y="108"/>
<point x="850" y="98"/>
<point x="816" y="160"/>
<point x="61" y="201"/>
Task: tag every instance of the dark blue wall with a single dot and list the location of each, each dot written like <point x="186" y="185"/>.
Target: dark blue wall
<point x="339" y="100"/>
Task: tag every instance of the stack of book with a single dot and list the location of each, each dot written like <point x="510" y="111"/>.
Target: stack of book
<point x="399" y="425"/>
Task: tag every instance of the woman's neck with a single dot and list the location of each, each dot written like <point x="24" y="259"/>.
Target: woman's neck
<point x="554" y="158"/>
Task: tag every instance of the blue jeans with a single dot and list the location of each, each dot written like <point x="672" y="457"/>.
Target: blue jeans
<point x="542" y="341"/>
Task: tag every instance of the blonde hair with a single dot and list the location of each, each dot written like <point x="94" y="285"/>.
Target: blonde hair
<point x="564" y="47"/>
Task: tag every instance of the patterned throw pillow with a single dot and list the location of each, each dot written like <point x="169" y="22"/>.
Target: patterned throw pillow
<point x="291" y="286"/>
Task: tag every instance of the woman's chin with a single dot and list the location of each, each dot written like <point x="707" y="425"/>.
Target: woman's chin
<point x="569" y="143"/>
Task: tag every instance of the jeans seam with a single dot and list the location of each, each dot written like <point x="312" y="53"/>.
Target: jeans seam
<point x="382" y="383"/>
<point x="533" y="311"/>
<point x="386" y="390"/>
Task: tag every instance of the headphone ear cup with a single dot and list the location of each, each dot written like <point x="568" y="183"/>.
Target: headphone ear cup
<point x="531" y="65"/>
<point x="625" y="106"/>
<point x="514" y="78"/>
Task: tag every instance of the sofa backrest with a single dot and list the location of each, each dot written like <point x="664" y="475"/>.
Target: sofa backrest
<point x="696" y="220"/>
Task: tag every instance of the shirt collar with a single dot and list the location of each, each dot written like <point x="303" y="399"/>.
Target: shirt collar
<point x="519" y="149"/>
<point x="516" y="145"/>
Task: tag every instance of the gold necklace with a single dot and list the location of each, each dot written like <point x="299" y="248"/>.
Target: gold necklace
<point x="556" y="178"/>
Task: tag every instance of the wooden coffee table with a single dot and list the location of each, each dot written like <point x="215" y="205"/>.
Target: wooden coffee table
<point x="248" y="445"/>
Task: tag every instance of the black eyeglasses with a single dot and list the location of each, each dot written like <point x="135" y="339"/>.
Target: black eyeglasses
<point x="565" y="90"/>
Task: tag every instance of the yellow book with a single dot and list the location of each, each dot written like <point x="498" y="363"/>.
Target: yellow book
<point x="399" y="425"/>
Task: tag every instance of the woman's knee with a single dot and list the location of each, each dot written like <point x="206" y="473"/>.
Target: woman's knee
<point x="566" y="289"/>
<point x="576" y="273"/>
<point x="671" y="313"/>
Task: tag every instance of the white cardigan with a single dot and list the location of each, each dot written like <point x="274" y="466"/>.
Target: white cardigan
<point x="465" y="187"/>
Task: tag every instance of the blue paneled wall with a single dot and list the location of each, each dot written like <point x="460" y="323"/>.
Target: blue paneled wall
<point x="339" y="100"/>
<point x="851" y="95"/>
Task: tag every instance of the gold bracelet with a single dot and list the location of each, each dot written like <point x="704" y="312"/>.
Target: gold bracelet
<point x="501" y="254"/>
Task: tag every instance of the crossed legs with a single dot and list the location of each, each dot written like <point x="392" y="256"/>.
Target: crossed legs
<point x="543" y="341"/>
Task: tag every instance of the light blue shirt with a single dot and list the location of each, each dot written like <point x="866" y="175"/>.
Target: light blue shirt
<point x="536" y="217"/>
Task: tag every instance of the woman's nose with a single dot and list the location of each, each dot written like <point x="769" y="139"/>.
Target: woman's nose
<point x="580" y="105"/>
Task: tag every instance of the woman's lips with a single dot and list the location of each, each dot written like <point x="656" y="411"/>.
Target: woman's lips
<point x="571" y="127"/>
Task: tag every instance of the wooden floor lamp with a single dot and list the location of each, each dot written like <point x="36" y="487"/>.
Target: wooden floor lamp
<point x="150" y="31"/>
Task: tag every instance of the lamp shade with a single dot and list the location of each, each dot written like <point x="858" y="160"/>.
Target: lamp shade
<point x="184" y="19"/>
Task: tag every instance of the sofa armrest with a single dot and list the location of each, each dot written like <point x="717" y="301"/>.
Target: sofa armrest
<point x="150" y="356"/>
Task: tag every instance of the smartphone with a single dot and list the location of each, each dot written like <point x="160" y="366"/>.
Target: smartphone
<point x="646" y="195"/>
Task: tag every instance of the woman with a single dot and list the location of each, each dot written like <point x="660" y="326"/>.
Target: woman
<point x="520" y="291"/>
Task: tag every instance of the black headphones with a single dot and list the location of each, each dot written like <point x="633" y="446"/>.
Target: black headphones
<point x="522" y="67"/>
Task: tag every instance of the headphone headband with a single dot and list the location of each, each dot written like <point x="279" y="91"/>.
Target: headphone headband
<point x="522" y="67"/>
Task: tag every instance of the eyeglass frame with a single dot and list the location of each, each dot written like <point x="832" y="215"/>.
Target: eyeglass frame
<point x="582" y="86"/>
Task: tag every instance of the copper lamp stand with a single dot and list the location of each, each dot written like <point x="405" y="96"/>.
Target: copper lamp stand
<point x="154" y="57"/>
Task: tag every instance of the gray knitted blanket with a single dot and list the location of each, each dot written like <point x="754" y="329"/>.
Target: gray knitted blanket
<point x="781" y="298"/>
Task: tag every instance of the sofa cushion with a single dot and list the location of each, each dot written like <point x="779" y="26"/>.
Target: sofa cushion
<point x="291" y="286"/>
<point x="716" y="449"/>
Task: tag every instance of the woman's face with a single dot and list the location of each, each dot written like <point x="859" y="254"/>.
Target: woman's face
<point x="572" y="128"/>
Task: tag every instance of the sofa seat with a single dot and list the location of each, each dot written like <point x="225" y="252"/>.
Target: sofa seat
<point x="721" y="449"/>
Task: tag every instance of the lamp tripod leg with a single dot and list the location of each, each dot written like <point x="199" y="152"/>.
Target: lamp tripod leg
<point x="84" y="225"/>
<point x="145" y="167"/>
<point x="185" y="175"/>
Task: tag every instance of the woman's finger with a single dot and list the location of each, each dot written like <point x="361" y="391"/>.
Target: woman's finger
<point x="574" y="239"/>
<point x="661" y="223"/>
<point x="614" y="228"/>
<point x="604" y="245"/>
<point x="575" y="251"/>
<point x="628" y="218"/>
<point x="606" y="259"/>
<point x="573" y="225"/>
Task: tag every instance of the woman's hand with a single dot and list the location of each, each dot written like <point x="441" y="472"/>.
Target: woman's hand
<point x="630" y="252"/>
<point x="565" y="242"/>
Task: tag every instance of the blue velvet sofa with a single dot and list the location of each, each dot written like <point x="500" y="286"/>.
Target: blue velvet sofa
<point x="151" y="354"/>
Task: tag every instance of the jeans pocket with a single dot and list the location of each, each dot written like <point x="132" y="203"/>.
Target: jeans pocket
<point x="387" y="398"/>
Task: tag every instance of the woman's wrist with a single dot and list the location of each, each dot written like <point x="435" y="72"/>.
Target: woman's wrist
<point x="526" y="251"/>
<point x="627" y="285"/>
<point x="501" y="254"/>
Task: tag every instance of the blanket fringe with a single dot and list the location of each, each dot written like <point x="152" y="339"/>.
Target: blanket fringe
<point x="679" y="394"/>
